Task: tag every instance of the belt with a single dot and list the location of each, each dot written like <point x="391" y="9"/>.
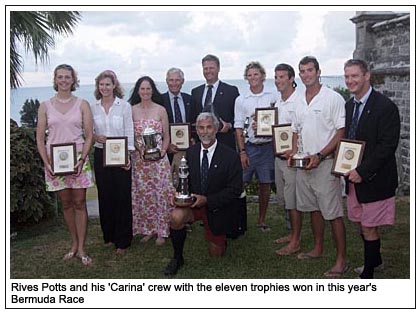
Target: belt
<point x="259" y="144"/>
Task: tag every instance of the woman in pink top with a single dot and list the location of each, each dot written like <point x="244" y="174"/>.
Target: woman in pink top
<point x="68" y="119"/>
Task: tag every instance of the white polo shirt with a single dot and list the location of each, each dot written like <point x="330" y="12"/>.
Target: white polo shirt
<point x="287" y="108"/>
<point x="118" y="122"/>
<point x="245" y="107"/>
<point x="320" y="120"/>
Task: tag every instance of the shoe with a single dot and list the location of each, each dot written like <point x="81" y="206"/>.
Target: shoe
<point x="173" y="267"/>
<point x="337" y="274"/>
<point x="286" y="250"/>
<point x="359" y="270"/>
<point x="68" y="256"/>
<point x="281" y="240"/>
<point x="146" y="238"/>
<point x="188" y="227"/>
<point x="264" y="227"/>
<point x="303" y="256"/>
<point x="160" y="241"/>
<point x="86" y="260"/>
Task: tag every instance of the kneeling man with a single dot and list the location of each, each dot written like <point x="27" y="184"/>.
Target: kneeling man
<point x="216" y="184"/>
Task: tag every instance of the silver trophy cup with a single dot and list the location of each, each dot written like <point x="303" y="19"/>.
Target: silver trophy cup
<point x="150" y="141"/>
<point x="299" y="160"/>
<point x="183" y="196"/>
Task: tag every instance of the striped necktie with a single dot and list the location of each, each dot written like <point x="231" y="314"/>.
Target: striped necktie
<point x="354" y="121"/>
<point x="178" y="116"/>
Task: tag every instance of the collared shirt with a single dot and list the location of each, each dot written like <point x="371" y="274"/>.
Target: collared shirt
<point x="213" y="92"/>
<point x="180" y="103"/>
<point x="210" y="154"/>
<point x="363" y="100"/>
<point x="287" y="108"/>
<point x="245" y="107"/>
<point x="319" y="120"/>
<point x="117" y="123"/>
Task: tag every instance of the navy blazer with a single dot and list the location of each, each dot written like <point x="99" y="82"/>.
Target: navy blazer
<point x="379" y="127"/>
<point x="186" y="98"/>
<point x="224" y="108"/>
<point x="224" y="186"/>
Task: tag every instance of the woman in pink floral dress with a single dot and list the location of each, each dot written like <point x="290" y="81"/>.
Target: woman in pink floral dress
<point x="68" y="118"/>
<point x="151" y="180"/>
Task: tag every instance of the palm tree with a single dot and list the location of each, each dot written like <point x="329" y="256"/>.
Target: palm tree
<point x="36" y="30"/>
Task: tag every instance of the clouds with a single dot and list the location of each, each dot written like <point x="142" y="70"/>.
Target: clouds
<point x="135" y="43"/>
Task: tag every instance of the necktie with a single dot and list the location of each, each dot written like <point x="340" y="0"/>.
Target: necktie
<point x="208" y="101"/>
<point x="178" y="116"/>
<point x="354" y="121"/>
<point x="204" y="172"/>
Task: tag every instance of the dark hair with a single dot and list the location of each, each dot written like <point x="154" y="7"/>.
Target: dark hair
<point x="135" y="97"/>
<point x="310" y="59"/>
<point x="118" y="91"/>
<point x="211" y="57"/>
<point x="288" y="68"/>
<point x="73" y="74"/>
<point x="358" y="62"/>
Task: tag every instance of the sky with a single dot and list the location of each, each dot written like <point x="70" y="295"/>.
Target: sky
<point x="134" y="42"/>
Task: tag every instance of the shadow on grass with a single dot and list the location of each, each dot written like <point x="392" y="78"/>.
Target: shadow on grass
<point x="37" y="252"/>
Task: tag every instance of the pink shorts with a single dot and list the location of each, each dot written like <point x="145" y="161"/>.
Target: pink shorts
<point x="371" y="214"/>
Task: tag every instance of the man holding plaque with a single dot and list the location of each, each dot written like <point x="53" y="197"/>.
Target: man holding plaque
<point x="256" y="153"/>
<point x="285" y="176"/>
<point x="215" y="183"/>
<point x="373" y="118"/>
<point x="178" y="107"/>
<point x="321" y="117"/>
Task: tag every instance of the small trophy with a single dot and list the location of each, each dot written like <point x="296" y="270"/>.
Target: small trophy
<point x="246" y="126"/>
<point x="151" y="152"/>
<point x="299" y="160"/>
<point x="183" y="196"/>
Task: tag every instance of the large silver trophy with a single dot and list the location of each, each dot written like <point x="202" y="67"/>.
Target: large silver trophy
<point x="299" y="159"/>
<point x="183" y="196"/>
<point x="150" y="141"/>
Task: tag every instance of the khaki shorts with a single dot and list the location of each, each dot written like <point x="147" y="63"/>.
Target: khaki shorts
<point x="285" y="178"/>
<point x="318" y="190"/>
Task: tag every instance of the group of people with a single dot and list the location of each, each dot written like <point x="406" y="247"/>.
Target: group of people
<point x="224" y="156"/>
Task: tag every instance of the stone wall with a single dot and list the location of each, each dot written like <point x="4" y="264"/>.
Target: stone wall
<point x="383" y="40"/>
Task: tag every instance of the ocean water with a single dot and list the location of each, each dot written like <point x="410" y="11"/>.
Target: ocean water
<point x="20" y="95"/>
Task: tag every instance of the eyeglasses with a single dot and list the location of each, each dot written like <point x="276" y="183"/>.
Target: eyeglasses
<point x="65" y="66"/>
<point x="109" y="72"/>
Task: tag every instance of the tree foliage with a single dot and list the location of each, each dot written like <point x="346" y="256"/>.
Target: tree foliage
<point x="29" y="202"/>
<point x="29" y="113"/>
<point x="36" y="31"/>
<point x="343" y="92"/>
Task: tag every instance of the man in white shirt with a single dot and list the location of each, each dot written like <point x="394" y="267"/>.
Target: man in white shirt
<point x="321" y="117"/>
<point x="256" y="153"/>
<point x="285" y="176"/>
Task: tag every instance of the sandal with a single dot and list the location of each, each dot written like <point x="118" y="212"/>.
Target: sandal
<point x="281" y="240"/>
<point x="68" y="256"/>
<point x="263" y="227"/>
<point x="86" y="260"/>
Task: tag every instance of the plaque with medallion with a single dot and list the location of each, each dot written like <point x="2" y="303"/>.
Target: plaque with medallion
<point x="63" y="158"/>
<point x="115" y="152"/>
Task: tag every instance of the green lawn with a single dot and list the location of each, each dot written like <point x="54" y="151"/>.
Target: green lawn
<point x="37" y="251"/>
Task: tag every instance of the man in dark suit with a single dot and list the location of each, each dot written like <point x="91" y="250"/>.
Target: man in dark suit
<point x="217" y="97"/>
<point x="373" y="118"/>
<point x="177" y="105"/>
<point x="216" y="184"/>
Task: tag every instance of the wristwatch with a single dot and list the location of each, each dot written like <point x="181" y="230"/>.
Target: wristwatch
<point x="321" y="157"/>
